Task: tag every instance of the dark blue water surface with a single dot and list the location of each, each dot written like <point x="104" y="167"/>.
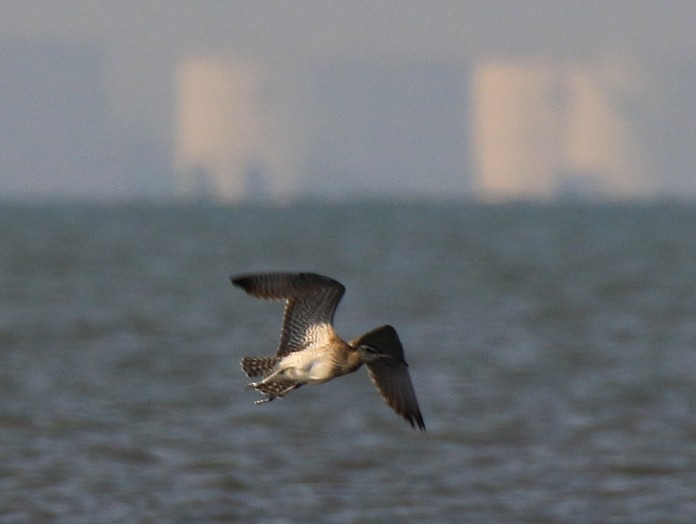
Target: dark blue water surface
<point x="552" y="348"/>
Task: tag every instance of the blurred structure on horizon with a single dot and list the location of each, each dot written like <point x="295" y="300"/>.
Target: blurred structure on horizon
<point x="525" y="126"/>
<point x="506" y="128"/>
<point x="225" y="144"/>
<point x="546" y="128"/>
<point x="364" y="128"/>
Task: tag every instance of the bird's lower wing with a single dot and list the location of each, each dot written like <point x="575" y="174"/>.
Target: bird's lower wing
<point x="393" y="382"/>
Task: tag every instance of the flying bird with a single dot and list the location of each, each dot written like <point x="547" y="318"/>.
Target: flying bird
<point x="310" y="351"/>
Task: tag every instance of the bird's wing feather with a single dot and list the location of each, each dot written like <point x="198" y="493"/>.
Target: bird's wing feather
<point x="394" y="384"/>
<point x="390" y="374"/>
<point x="310" y="304"/>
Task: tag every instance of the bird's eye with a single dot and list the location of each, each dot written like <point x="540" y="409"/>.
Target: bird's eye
<point x="369" y="349"/>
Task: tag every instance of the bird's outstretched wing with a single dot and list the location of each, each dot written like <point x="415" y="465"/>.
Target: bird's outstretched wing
<point x="310" y="304"/>
<point x="390" y="373"/>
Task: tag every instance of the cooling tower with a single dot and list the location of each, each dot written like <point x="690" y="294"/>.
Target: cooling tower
<point x="516" y="121"/>
<point x="222" y="125"/>
<point x="543" y="129"/>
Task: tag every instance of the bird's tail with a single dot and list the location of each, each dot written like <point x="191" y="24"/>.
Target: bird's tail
<point x="259" y="366"/>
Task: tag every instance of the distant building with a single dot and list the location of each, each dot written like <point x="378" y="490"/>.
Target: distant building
<point x="228" y="147"/>
<point x="54" y="138"/>
<point x="542" y="129"/>
<point x="388" y="129"/>
<point x="516" y="128"/>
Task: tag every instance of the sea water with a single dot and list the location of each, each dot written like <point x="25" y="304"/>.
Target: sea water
<point x="552" y="349"/>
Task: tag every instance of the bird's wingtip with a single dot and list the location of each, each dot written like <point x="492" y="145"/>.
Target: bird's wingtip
<point x="239" y="280"/>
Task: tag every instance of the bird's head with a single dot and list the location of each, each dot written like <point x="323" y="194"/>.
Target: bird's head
<point x="381" y="343"/>
<point x="369" y="353"/>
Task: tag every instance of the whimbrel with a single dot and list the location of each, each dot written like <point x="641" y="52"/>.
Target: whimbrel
<point x="310" y="351"/>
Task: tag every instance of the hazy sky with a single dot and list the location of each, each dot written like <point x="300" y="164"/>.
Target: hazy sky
<point x="143" y="39"/>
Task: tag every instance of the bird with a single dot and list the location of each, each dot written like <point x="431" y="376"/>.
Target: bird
<point x="310" y="351"/>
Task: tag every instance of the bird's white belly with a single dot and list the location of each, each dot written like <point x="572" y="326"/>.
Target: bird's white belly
<point x="307" y="368"/>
